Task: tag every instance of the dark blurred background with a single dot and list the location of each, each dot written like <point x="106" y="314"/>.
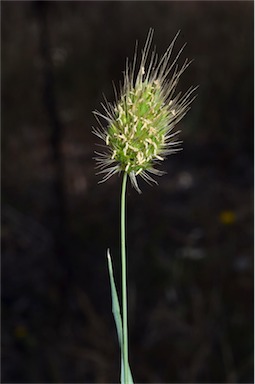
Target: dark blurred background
<point x="190" y="239"/>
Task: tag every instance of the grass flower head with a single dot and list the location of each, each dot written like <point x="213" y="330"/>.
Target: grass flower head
<point x="140" y="124"/>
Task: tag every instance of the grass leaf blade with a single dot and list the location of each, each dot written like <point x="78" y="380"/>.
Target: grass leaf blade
<point x="117" y="317"/>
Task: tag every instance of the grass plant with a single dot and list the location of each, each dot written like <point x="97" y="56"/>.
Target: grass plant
<point x="139" y="134"/>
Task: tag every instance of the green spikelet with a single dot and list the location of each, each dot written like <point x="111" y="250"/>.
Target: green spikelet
<point x="139" y="132"/>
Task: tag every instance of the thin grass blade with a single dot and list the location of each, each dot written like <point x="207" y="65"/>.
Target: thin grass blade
<point x="117" y="317"/>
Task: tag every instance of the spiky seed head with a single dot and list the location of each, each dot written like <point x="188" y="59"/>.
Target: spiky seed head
<point x="139" y="132"/>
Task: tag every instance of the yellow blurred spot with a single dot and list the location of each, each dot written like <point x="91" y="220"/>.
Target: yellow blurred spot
<point x="227" y="217"/>
<point x="20" y="331"/>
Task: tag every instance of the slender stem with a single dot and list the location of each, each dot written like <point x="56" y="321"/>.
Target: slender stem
<point x="124" y="279"/>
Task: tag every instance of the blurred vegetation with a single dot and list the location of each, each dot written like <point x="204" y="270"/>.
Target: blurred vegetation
<point x="190" y="239"/>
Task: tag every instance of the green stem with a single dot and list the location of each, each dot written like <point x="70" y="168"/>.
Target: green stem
<point x="124" y="279"/>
